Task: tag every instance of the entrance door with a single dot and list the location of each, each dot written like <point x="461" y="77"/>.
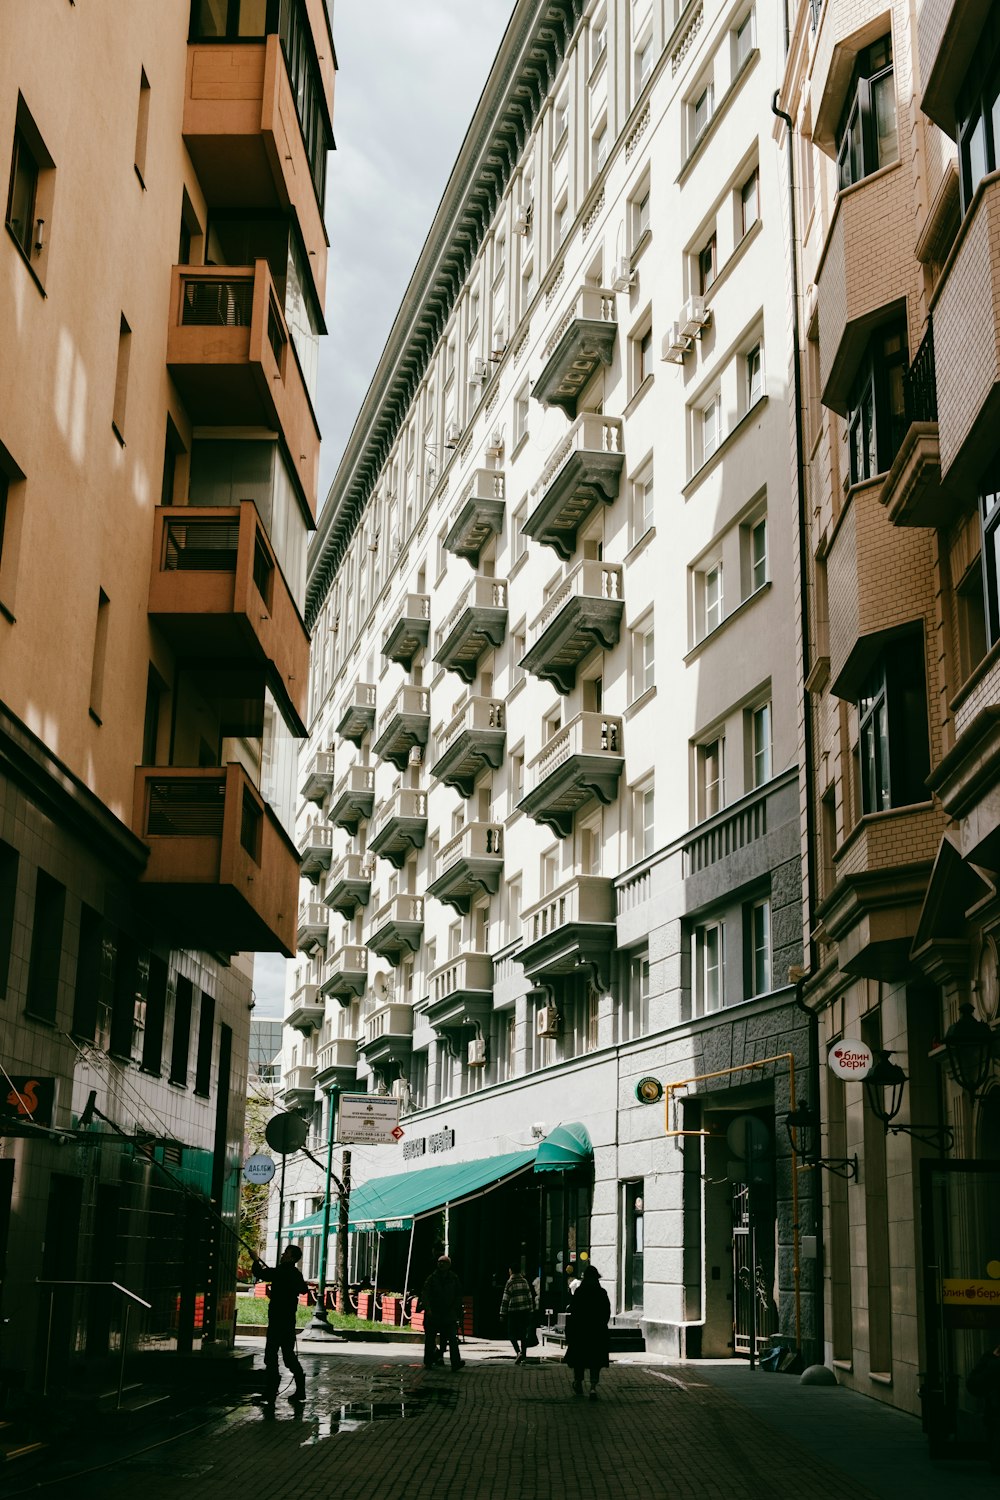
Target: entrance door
<point x="961" y="1253"/>
<point x="755" y="1317"/>
<point x="633" y="1245"/>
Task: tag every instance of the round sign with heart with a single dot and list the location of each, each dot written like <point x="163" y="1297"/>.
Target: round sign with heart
<point x="850" y="1059"/>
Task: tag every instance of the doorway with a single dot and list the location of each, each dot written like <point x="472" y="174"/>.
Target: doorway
<point x="633" y="1245"/>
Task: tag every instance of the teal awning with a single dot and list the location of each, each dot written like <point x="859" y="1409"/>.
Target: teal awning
<point x="388" y="1203"/>
<point x="564" y="1147"/>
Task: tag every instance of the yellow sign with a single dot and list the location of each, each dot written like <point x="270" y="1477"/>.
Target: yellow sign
<point x="961" y="1293"/>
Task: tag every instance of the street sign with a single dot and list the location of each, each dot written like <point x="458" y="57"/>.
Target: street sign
<point x="398" y="1133"/>
<point x="258" y="1168"/>
<point x="285" y="1133"/>
<point x="368" y="1119"/>
<point x="649" y="1091"/>
<point x="850" y="1059"/>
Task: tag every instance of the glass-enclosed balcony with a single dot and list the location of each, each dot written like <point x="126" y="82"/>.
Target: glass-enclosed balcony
<point x="350" y="884"/>
<point x="468" y="865"/>
<point x="582" y="761"/>
<point x="408" y="629"/>
<point x="583" y="339"/>
<point x="474" y="739"/>
<point x="477" y="623"/>
<point x="399" y="825"/>
<point x="582" y="614"/>
<point x="581" y="473"/>
<point x="353" y="798"/>
<point x="404" y="726"/>
<point x="478" y="516"/>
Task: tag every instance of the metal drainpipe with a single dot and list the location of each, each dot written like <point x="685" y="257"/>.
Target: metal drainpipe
<point x="807" y="733"/>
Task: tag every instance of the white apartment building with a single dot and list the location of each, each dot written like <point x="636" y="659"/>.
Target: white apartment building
<point x="550" y="816"/>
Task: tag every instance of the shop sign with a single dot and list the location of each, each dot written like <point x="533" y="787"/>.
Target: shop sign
<point x="850" y="1059"/>
<point x="29" y="1098"/>
<point x="368" y="1119"/>
<point x="442" y="1141"/>
<point x="258" y="1168"/>
<point x="415" y="1147"/>
<point x="956" y="1292"/>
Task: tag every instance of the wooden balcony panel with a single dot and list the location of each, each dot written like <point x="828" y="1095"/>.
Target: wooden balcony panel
<point x="474" y="739"/>
<point x="583" y="339"/>
<point x="222" y="874"/>
<point x="230" y="357"/>
<point x="216" y="592"/>
<point x="583" y="614"/>
<point x="581" y="473"/>
<point x="584" y="760"/>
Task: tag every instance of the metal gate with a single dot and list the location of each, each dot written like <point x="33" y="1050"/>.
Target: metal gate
<point x="755" y="1317"/>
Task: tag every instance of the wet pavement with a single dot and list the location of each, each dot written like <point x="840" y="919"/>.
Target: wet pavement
<point x="376" y="1424"/>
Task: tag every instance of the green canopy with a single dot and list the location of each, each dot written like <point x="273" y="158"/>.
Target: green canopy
<point x="394" y="1202"/>
<point x="564" y="1147"/>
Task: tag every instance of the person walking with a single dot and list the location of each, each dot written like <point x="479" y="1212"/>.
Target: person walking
<point x="587" y="1340"/>
<point x="517" y="1306"/>
<point x="286" y="1287"/>
<point x="441" y="1300"/>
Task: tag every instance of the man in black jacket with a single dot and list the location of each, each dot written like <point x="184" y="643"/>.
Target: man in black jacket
<point x="441" y="1300"/>
<point x="287" y="1286"/>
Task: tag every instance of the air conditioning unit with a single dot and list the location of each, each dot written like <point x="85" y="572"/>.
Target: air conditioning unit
<point x="694" y="317"/>
<point x="398" y="1088"/>
<point x="522" y="218"/>
<point x="452" y="435"/>
<point x="547" y="1021"/>
<point x="478" y="372"/>
<point x="499" y="347"/>
<point x="416" y="755"/>
<point x="477" y="1053"/>
<point x="675" y="346"/>
<point x="494" y="447"/>
<point x="623" y="276"/>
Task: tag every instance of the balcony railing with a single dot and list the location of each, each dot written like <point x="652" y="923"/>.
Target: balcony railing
<point x="305" y="1009"/>
<point x="353" y="798"/>
<point x="584" y="759"/>
<point x="345" y="973"/>
<point x="350" y="884"/>
<point x="316" y="850"/>
<point x="475" y="738"/>
<point x="477" y="516"/>
<point x="319" y="777"/>
<point x="314" y="926"/>
<point x="357" y="712"/>
<point x="583" y="339"/>
<point x="397" y="926"/>
<point x="408" y="629"/>
<point x="582" y="472"/>
<point x="469" y="863"/>
<point x="299" y="1083"/>
<point x="920" y="383"/>
<point x="570" y="927"/>
<point x="339" y="1055"/>
<point x="477" y="622"/>
<point x="584" y="612"/>
<point x="399" y="825"/>
<point x="395" y="1020"/>
<point x="404" y="726"/>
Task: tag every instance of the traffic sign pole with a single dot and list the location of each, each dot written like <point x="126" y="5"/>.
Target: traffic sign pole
<point x="320" y="1328"/>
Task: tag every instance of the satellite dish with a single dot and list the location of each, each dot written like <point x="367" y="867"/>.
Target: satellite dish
<point x="382" y="985"/>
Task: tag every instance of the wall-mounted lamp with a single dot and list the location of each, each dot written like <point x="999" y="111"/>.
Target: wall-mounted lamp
<point x="803" y="1118"/>
<point x="968" y="1047"/>
<point x="884" y="1087"/>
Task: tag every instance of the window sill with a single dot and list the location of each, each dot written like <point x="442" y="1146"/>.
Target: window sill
<point x="637" y="703"/>
<point x="518" y="445"/>
<point x="516" y="690"/>
<point x="712" y="635"/>
<point x="517" y="565"/>
<point x="843" y="1364"/>
<point x="640" y="546"/>
<point x="688" y="489"/>
<point x="879" y="1378"/>
<point x="26" y="260"/>
<point x="720" y="110"/>
<point x="643" y="388"/>
<point x="738" y="251"/>
<point x="639" y="248"/>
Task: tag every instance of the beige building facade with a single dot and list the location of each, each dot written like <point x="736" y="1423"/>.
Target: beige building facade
<point x="162" y="274"/>
<point x="895" y="157"/>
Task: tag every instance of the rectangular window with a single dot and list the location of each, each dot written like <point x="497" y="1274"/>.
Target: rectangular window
<point x="521" y="410"/>
<point x="758" y="948"/>
<point x="760" y="744"/>
<point x="181" y="1041"/>
<point x="642" y="504"/>
<point x="892" y="720"/>
<point x="518" y="540"/>
<point x="142" y="126"/>
<point x="711" y="598"/>
<point x="711" y="783"/>
<point x="124" y="998"/>
<point x="561" y="222"/>
<point x="645" y="355"/>
<point x="750" y="201"/>
<point x="754" y="555"/>
<point x="701" y="113"/>
<point x="707" y="265"/>
<point x="643" y="65"/>
<point x="743" y="42"/>
<point x="600" y="148"/>
<point x="754" y="375"/>
<point x="643" y="659"/>
<point x="707" y="957"/>
<point x="8" y="899"/>
<point x="640" y="217"/>
<point x="876" y="418"/>
<point x="156" y="1012"/>
<point x="87" y="990"/>
<point x="22" y="194"/>
<point x="989" y="518"/>
<point x="99" y="656"/>
<point x="868" y="137"/>
<point x="46" y="949"/>
<point x="711" y="416"/>
<point x="643" y="823"/>
<point x="598" y="38"/>
<point x="121" y="378"/>
<point x="561" y="125"/>
<point x="206" y="1034"/>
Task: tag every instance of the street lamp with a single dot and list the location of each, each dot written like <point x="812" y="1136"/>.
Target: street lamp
<point x="884" y="1087"/>
<point x="968" y="1045"/>
<point x="803" y="1118"/>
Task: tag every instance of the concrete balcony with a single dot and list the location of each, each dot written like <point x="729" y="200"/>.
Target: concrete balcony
<point x="319" y="776"/>
<point x="217" y="592"/>
<point x="388" y="1037"/>
<point x="571" y="928"/>
<point x="966" y="312"/>
<point x="583" y="339"/>
<point x="405" y="725"/>
<point x="241" y="129"/>
<point x="397" y="928"/>
<point x="350" y="884"/>
<point x="475" y="738"/>
<point x="298" y="1087"/>
<point x="478" y="623"/>
<point x="345" y="973"/>
<point x="581" y="473"/>
<point x="316" y="850"/>
<point x="229" y="355"/>
<point x="585" y="759"/>
<point x="222" y="874"/>
<point x="408" y="629"/>
<point x="357" y="713"/>
<point x="478" y="516"/>
<point x="584" y="613"/>
<point x="399" y="826"/>
<point x="305" y="1009"/>
<point x="469" y="865"/>
<point x="461" y="995"/>
<point x="353" y="798"/>
<point x="314" y="926"/>
<point x="337" y="1063"/>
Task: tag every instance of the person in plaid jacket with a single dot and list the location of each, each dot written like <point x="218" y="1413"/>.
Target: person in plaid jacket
<point x="517" y="1307"/>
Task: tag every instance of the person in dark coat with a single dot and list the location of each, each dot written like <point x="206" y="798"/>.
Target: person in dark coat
<point x="441" y="1300"/>
<point x="587" y="1340"/>
<point x="983" y="1380"/>
<point x="286" y="1287"/>
<point x="517" y="1308"/>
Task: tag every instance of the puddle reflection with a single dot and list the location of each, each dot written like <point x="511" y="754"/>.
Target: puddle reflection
<point x="350" y="1416"/>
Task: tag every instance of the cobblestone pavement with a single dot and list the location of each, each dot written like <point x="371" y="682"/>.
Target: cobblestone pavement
<point x="377" y="1425"/>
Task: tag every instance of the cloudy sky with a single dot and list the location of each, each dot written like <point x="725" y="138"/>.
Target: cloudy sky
<point x="411" y="72"/>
